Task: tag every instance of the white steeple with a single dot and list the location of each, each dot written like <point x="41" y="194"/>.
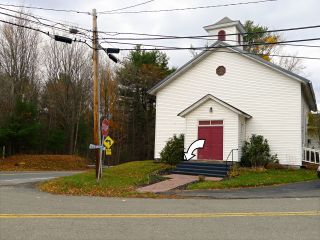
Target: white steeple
<point x="226" y="30"/>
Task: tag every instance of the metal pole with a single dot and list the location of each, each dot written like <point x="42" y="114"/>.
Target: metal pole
<point x="96" y="119"/>
<point x="3" y="152"/>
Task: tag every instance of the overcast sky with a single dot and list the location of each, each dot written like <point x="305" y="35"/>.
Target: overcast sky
<point x="275" y="15"/>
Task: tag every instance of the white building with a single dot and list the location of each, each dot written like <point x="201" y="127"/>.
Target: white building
<point x="225" y="95"/>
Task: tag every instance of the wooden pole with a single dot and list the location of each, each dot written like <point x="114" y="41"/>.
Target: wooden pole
<point x="96" y="118"/>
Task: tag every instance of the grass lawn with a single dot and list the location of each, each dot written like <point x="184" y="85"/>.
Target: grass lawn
<point x="252" y="178"/>
<point x="43" y="163"/>
<point x="117" y="181"/>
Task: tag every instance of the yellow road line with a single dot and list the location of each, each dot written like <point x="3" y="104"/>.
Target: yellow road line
<point x="169" y="215"/>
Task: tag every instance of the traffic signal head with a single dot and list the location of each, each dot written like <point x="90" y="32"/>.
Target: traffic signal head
<point x="113" y="58"/>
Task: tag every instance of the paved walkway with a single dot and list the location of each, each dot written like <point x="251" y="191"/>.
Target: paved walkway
<point x="176" y="180"/>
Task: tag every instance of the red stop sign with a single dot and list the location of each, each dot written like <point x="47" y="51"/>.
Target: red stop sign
<point x="105" y="127"/>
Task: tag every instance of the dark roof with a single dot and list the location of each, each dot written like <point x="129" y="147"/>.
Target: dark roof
<point x="219" y="44"/>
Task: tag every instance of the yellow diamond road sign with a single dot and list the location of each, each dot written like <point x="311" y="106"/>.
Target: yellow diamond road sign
<point x="108" y="142"/>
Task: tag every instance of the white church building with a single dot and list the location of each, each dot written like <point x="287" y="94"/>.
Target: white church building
<point x="226" y="94"/>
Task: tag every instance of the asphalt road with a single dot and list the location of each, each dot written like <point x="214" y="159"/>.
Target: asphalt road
<point x="291" y="190"/>
<point x="26" y="213"/>
<point x="14" y="178"/>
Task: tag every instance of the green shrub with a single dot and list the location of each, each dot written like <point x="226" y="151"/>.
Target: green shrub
<point x="256" y="152"/>
<point x="173" y="152"/>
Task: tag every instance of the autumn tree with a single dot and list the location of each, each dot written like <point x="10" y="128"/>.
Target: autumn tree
<point x="255" y="40"/>
<point x="314" y="126"/>
<point x="110" y="107"/>
<point x="20" y="83"/>
<point x="67" y="91"/>
<point x="256" y="35"/>
<point x="141" y="70"/>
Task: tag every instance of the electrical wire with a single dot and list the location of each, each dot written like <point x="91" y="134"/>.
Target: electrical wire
<point x="39" y="30"/>
<point x="23" y="26"/>
<point x="38" y="22"/>
<point x="38" y="18"/>
<point x="207" y="37"/>
<point x="46" y="9"/>
<point x="238" y="45"/>
<point x="161" y="46"/>
<point x="34" y="22"/>
<point x="117" y="11"/>
<point x="189" y="8"/>
<point x="132" y="6"/>
<point x="176" y="48"/>
<point x="159" y="36"/>
<point x="244" y="53"/>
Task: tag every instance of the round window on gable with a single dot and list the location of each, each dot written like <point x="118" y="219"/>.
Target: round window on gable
<point x="221" y="70"/>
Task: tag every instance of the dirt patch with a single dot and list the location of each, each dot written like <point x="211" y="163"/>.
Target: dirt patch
<point x="43" y="163"/>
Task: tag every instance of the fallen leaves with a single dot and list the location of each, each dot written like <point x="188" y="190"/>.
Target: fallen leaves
<point x="43" y="163"/>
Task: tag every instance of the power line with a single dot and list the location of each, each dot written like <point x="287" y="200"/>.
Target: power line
<point x="38" y="18"/>
<point x="205" y="37"/>
<point x="39" y="30"/>
<point x="46" y="9"/>
<point x="224" y="47"/>
<point x="35" y="22"/>
<point x="38" y="22"/>
<point x="190" y="8"/>
<point x="23" y="26"/>
<point x="195" y="48"/>
<point x="238" y="45"/>
<point x="159" y="36"/>
<point x="131" y="6"/>
<point x="176" y="48"/>
<point x="67" y="26"/>
<point x="245" y="53"/>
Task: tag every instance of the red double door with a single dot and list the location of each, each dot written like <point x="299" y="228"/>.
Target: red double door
<point x="213" y="136"/>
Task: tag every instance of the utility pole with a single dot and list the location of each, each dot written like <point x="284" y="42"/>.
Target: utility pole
<point x="96" y="93"/>
<point x="96" y="86"/>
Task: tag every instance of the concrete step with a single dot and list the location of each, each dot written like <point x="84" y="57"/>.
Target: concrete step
<point x="212" y="170"/>
<point x="196" y="173"/>
<point x="193" y="166"/>
<point x="202" y="168"/>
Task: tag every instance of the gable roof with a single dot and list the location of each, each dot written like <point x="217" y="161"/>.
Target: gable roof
<point x="223" y="20"/>
<point x="306" y="84"/>
<point x="226" y="22"/>
<point x="208" y="97"/>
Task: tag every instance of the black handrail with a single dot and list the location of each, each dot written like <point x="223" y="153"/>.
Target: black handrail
<point x="231" y="153"/>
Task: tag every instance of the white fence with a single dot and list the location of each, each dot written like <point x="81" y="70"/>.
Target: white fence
<point x="311" y="155"/>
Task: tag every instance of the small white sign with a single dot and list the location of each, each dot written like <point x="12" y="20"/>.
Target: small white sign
<point x="92" y="146"/>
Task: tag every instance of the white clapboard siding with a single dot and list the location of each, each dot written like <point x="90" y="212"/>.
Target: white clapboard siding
<point x="230" y="125"/>
<point x="231" y="37"/>
<point x="241" y="135"/>
<point x="270" y="97"/>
